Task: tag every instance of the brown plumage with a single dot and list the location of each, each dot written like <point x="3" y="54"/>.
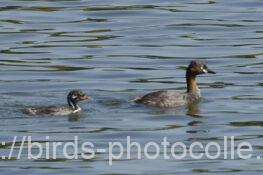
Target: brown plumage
<point x="171" y="98"/>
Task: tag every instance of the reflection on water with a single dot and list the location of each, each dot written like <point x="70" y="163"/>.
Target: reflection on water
<point x="193" y="109"/>
<point x="116" y="51"/>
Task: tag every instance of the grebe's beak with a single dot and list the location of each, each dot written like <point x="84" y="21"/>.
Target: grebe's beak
<point x="84" y="97"/>
<point x="210" y="71"/>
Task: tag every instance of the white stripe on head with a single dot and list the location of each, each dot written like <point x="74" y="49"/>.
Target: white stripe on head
<point x="73" y="96"/>
<point x="204" y="70"/>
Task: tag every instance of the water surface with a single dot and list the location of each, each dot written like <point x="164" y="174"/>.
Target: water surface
<point x="119" y="50"/>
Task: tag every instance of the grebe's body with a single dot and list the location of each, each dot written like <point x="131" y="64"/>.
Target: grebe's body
<point x="51" y="110"/>
<point x="73" y="98"/>
<point x="168" y="98"/>
<point x="171" y="98"/>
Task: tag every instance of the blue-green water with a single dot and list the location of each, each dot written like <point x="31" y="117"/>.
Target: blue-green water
<point x="117" y="50"/>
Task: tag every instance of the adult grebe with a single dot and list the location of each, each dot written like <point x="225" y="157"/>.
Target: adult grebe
<point x="171" y="98"/>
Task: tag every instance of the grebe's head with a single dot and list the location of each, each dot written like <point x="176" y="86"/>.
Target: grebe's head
<point x="76" y="96"/>
<point x="197" y="67"/>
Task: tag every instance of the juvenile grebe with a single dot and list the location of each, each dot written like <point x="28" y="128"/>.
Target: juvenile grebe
<point x="171" y="98"/>
<point x="73" y="98"/>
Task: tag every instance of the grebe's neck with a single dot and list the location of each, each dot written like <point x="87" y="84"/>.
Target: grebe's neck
<point x="72" y="104"/>
<point x="77" y="109"/>
<point x="191" y="84"/>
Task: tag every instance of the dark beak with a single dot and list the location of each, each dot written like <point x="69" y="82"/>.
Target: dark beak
<point x="84" y="97"/>
<point x="210" y="71"/>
